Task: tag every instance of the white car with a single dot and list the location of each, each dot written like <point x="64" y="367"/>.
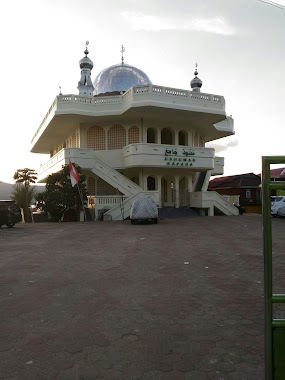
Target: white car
<point x="281" y="212"/>
<point x="143" y="210"/>
<point x="276" y="203"/>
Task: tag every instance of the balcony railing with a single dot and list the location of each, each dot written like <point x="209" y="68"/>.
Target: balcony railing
<point x="166" y="94"/>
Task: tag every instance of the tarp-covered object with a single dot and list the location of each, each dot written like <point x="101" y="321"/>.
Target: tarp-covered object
<point x="144" y="208"/>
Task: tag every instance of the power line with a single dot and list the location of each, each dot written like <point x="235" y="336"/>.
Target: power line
<point x="273" y="4"/>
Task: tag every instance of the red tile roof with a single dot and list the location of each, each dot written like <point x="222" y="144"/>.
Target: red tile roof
<point x="246" y="180"/>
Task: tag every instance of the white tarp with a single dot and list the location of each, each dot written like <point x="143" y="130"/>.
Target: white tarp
<point x="144" y="208"/>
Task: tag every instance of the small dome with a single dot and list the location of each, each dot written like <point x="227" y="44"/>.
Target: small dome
<point x="85" y="62"/>
<point x="120" y="77"/>
<point x="196" y="82"/>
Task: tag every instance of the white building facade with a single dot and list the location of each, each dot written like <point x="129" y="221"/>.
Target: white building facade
<point x="134" y="139"/>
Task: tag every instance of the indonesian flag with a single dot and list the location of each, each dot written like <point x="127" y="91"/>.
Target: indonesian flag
<point x="74" y="176"/>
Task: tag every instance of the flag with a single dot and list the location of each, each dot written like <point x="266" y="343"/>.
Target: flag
<point x="74" y="176"/>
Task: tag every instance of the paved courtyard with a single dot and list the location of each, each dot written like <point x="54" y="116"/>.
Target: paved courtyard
<point x="100" y="300"/>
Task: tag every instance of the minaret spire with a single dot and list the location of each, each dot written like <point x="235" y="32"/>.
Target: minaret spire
<point x="85" y="85"/>
<point x="122" y="51"/>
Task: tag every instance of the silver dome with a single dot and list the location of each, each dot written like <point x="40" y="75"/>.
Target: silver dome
<point x="120" y="77"/>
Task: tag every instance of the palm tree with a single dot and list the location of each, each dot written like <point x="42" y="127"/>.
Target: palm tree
<point x="23" y="189"/>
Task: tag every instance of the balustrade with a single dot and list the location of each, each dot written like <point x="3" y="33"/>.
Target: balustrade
<point x="166" y="92"/>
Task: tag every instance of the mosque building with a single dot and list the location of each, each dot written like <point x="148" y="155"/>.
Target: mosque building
<point x="136" y="139"/>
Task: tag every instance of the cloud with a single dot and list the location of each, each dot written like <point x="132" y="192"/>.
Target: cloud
<point x="140" y="21"/>
<point x="231" y="143"/>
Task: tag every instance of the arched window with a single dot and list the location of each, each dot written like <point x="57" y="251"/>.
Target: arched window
<point x="150" y="183"/>
<point x="195" y="139"/>
<point x="151" y="135"/>
<point x="182" y="138"/>
<point x="116" y="137"/>
<point x="73" y="140"/>
<point x="134" y="135"/>
<point x="166" y="136"/>
<point x="96" y="138"/>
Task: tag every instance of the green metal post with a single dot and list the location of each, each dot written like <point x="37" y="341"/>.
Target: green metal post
<point x="267" y="251"/>
<point x="274" y="328"/>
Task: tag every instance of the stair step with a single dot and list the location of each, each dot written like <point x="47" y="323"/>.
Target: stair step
<point x="172" y="212"/>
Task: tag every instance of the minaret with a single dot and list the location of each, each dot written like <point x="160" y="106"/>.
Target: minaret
<point x="196" y="82"/>
<point x="85" y="85"/>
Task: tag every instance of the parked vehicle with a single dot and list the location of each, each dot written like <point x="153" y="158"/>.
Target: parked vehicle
<point x="281" y="212"/>
<point x="10" y="213"/>
<point x="276" y="203"/>
<point x="143" y="210"/>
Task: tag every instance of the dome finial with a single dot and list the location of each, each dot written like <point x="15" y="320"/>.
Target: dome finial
<point x="122" y="51"/>
<point x="196" y="82"/>
<point x="60" y="93"/>
<point x="86" y="49"/>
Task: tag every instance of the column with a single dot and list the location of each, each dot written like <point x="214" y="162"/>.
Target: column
<point x="176" y="192"/>
<point x="206" y="181"/>
<point x="159" y="190"/>
<point x="145" y="181"/>
<point x="83" y="136"/>
<point x="141" y="178"/>
<point x="190" y="189"/>
<point x="176" y="138"/>
<point x="158" y="135"/>
<point x="143" y="132"/>
<point x="190" y="142"/>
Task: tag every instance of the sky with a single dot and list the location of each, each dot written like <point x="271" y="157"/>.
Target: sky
<point x="238" y="45"/>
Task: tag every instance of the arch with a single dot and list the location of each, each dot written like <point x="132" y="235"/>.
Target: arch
<point x="133" y="135"/>
<point x="151" y="183"/>
<point x="167" y="191"/>
<point x="167" y="136"/>
<point x="182" y="138"/>
<point x="73" y="140"/>
<point x="96" y="138"/>
<point x="151" y="136"/>
<point x="116" y="137"/>
<point x="195" y="139"/>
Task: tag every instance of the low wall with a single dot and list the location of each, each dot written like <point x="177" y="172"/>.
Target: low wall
<point x="255" y="209"/>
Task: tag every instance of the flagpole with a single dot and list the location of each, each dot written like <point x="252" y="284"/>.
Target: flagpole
<point x="81" y="198"/>
<point x="75" y="178"/>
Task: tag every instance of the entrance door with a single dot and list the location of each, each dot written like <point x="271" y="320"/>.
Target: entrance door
<point x="167" y="192"/>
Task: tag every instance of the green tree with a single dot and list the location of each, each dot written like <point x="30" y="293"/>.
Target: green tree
<point x="60" y="198"/>
<point x="23" y="192"/>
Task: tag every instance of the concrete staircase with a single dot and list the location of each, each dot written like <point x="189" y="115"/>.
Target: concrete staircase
<point x="172" y="212"/>
<point x="210" y="201"/>
<point x="115" y="179"/>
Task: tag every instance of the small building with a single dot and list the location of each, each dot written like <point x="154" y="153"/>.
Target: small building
<point x="136" y="139"/>
<point x="246" y="187"/>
